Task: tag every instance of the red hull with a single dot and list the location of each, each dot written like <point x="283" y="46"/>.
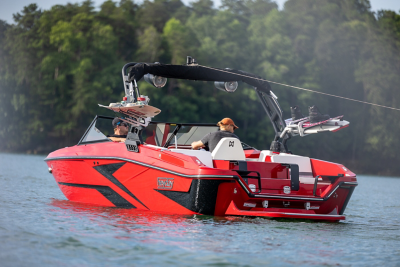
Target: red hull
<point x="161" y="180"/>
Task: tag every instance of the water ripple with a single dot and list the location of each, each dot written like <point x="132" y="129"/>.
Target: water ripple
<point x="39" y="227"/>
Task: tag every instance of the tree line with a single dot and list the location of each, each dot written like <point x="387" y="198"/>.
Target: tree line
<point x="56" y="65"/>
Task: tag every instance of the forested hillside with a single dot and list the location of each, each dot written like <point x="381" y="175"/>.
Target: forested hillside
<point x="56" y="65"/>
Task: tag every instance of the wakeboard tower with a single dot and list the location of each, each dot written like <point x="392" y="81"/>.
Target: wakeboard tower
<point x="155" y="168"/>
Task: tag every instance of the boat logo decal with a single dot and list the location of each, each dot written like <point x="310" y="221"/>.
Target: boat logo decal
<point x="286" y="189"/>
<point x="165" y="183"/>
<point x="231" y="143"/>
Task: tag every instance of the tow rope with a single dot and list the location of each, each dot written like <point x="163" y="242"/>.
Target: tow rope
<point x="308" y="90"/>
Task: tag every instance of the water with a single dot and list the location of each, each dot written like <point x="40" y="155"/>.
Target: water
<point x="39" y="227"/>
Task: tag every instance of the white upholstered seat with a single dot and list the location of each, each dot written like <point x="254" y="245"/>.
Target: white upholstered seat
<point x="229" y="148"/>
<point x="303" y="162"/>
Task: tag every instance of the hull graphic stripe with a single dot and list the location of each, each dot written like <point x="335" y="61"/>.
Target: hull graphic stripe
<point x="201" y="197"/>
<point x="108" y="170"/>
<point x="107" y="192"/>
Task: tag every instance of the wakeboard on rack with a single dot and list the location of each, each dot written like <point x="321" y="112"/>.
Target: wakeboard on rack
<point x="304" y="127"/>
<point x="141" y="111"/>
<point x="138" y="113"/>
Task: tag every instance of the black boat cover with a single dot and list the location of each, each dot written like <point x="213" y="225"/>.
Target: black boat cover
<point x="198" y="73"/>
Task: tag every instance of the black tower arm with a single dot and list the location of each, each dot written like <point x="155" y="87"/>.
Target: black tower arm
<point x="132" y="93"/>
<point x="274" y="112"/>
<point x="202" y="73"/>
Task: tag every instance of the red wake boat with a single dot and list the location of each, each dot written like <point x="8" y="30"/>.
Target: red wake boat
<point x="156" y="169"/>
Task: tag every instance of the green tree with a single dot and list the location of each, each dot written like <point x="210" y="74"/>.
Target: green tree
<point x="158" y="12"/>
<point x="150" y="45"/>
<point x="58" y="64"/>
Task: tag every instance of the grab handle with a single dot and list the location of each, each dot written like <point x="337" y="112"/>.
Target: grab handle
<point x="331" y="178"/>
<point x="294" y="176"/>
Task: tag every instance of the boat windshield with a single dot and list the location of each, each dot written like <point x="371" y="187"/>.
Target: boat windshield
<point x="163" y="134"/>
<point x="98" y="130"/>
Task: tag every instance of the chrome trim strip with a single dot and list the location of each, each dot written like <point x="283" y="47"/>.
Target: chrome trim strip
<point x="143" y="164"/>
<point x="243" y="186"/>
<point x="321" y="215"/>
<point x="351" y="183"/>
<point x="333" y="191"/>
<point x="298" y="214"/>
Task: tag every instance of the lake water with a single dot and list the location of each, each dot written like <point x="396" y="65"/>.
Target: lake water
<point x="39" y="227"/>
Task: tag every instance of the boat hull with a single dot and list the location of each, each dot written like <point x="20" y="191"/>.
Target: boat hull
<point x="160" y="180"/>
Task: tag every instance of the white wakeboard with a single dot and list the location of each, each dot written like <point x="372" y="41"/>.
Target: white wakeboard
<point x="304" y="126"/>
<point x="331" y="125"/>
<point x="142" y="111"/>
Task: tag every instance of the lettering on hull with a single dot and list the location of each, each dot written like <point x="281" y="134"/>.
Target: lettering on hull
<point x="165" y="183"/>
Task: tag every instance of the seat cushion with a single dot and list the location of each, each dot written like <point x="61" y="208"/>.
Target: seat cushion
<point x="229" y="148"/>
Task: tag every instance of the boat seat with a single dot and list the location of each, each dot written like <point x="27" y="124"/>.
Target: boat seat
<point x="228" y="148"/>
<point x="264" y="154"/>
<point x="202" y="155"/>
<point x="304" y="163"/>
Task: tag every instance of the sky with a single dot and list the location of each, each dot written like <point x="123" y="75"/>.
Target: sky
<point x="9" y="7"/>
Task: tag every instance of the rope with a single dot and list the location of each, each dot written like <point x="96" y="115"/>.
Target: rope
<point x="304" y="89"/>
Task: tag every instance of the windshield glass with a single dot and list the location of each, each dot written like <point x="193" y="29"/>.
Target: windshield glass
<point x="246" y="146"/>
<point x="188" y="134"/>
<point x="98" y="131"/>
<point x="159" y="133"/>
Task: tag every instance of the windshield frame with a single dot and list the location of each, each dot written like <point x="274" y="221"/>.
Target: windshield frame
<point x="81" y="141"/>
<point x="168" y="142"/>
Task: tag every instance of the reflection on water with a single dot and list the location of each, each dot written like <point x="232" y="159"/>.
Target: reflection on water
<point x="39" y="227"/>
<point x="126" y="222"/>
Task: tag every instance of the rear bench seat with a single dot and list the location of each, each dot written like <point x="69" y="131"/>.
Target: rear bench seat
<point x="305" y="169"/>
